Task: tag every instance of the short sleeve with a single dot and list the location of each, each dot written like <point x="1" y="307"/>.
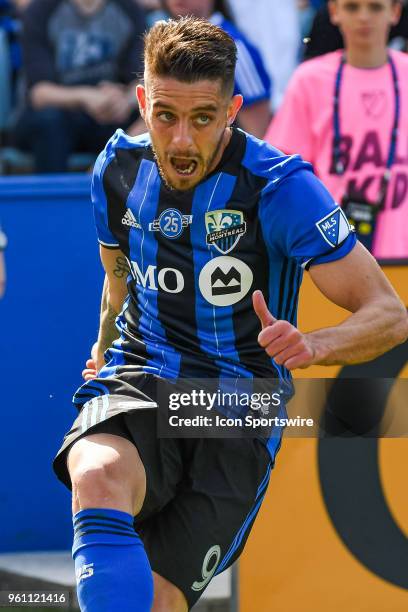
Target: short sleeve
<point x="290" y="129"/>
<point x="301" y="220"/>
<point x="100" y="205"/>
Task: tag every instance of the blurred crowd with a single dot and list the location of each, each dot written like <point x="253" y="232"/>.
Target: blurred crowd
<point x="68" y="70"/>
<point x="69" y="67"/>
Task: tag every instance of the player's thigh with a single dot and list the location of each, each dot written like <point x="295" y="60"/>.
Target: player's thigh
<point x="161" y="458"/>
<point x="106" y="467"/>
<point x="204" y="529"/>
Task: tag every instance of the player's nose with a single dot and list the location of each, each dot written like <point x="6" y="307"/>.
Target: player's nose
<point x="182" y="137"/>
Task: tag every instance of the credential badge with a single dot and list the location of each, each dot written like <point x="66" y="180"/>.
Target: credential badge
<point x="224" y="229"/>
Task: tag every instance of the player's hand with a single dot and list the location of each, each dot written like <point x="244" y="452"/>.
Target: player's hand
<point x="280" y="339"/>
<point x="91" y="370"/>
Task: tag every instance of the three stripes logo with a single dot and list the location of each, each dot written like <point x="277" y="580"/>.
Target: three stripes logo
<point x="129" y="219"/>
<point x="94" y="412"/>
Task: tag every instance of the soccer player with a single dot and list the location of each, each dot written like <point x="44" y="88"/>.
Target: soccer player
<point x="196" y="220"/>
<point x="347" y="113"/>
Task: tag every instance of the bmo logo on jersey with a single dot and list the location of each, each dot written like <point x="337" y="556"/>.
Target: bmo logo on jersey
<point x="225" y="281"/>
<point x="169" y="280"/>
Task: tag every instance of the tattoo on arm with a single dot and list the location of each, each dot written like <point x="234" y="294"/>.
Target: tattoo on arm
<point x="122" y="268"/>
<point x="108" y="331"/>
<point x="107" y="328"/>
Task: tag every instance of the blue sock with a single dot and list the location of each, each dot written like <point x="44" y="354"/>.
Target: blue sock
<point x="112" y="569"/>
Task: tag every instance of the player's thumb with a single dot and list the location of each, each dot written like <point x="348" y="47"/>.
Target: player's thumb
<point x="261" y="309"/>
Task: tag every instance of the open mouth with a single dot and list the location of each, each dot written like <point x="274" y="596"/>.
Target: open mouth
<point x="183" y="165"/>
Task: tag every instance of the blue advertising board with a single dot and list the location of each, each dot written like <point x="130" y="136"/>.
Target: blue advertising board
<point x="48" y="322"/>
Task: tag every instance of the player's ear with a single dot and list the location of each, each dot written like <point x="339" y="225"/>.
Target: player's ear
<point x="233" y="108"/>
<point x="141" y="98"/>
<point x="396" y="13"/>
<point x="332" y="6"/>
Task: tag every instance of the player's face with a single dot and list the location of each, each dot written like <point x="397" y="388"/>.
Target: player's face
<point x="198" y="8"/>
<point x="364" y="22"/>
<point x="187" y="124"/>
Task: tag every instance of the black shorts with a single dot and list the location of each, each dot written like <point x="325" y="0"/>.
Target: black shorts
<point x="202" y="495"/>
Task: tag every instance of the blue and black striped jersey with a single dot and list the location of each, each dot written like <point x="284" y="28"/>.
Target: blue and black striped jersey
<point x="255" y="222"/>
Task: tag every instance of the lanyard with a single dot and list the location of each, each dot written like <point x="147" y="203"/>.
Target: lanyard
<point x="337" y="163"/>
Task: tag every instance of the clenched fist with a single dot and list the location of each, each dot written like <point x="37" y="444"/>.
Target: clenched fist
<point x="280" y="339"/>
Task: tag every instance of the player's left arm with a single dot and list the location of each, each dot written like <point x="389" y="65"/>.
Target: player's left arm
<point x="378" y="321"/>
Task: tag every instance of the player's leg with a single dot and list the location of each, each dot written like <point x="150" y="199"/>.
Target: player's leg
<point x="106" y="469"/>
<point x="98" y="479"/>
<point x="108" y="485"/>
<point x="167" y="597"/>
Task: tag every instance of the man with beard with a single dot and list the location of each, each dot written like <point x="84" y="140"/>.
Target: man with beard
<point x="202" y="221"/>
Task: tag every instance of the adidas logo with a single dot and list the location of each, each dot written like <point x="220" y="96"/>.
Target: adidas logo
<point x="129" y="219"/>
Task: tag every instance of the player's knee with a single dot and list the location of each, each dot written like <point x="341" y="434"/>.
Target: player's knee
<point x="95" y="485"/>
<point x="102" y="476"/>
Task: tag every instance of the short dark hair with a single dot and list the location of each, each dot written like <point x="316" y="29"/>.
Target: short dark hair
<point x="190" y="49"/>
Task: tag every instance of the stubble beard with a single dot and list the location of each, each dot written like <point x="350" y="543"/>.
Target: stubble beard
<point x="206" y="165"/>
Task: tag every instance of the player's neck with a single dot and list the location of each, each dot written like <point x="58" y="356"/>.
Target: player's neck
<point x="365" y="57"/>
<point x="226" y="137"/>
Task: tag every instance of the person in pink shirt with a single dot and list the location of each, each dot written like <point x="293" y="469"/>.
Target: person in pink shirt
<point x="346" y="112"/>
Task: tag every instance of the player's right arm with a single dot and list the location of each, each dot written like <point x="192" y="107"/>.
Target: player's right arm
<point x="113" y="295"/>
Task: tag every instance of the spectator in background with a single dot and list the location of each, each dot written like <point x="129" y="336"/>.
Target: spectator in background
<point x="153" y="10"/>
<point x="20" y="5"/>
<point x="347" y="113"/>
<point x="81" y="61"/>
<point x="11" y="26"/>
<point x="251" y="77"/>
<point x="325" y="36"/>
<point x="274" y="26"/>
<point x="3" y="244"/>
